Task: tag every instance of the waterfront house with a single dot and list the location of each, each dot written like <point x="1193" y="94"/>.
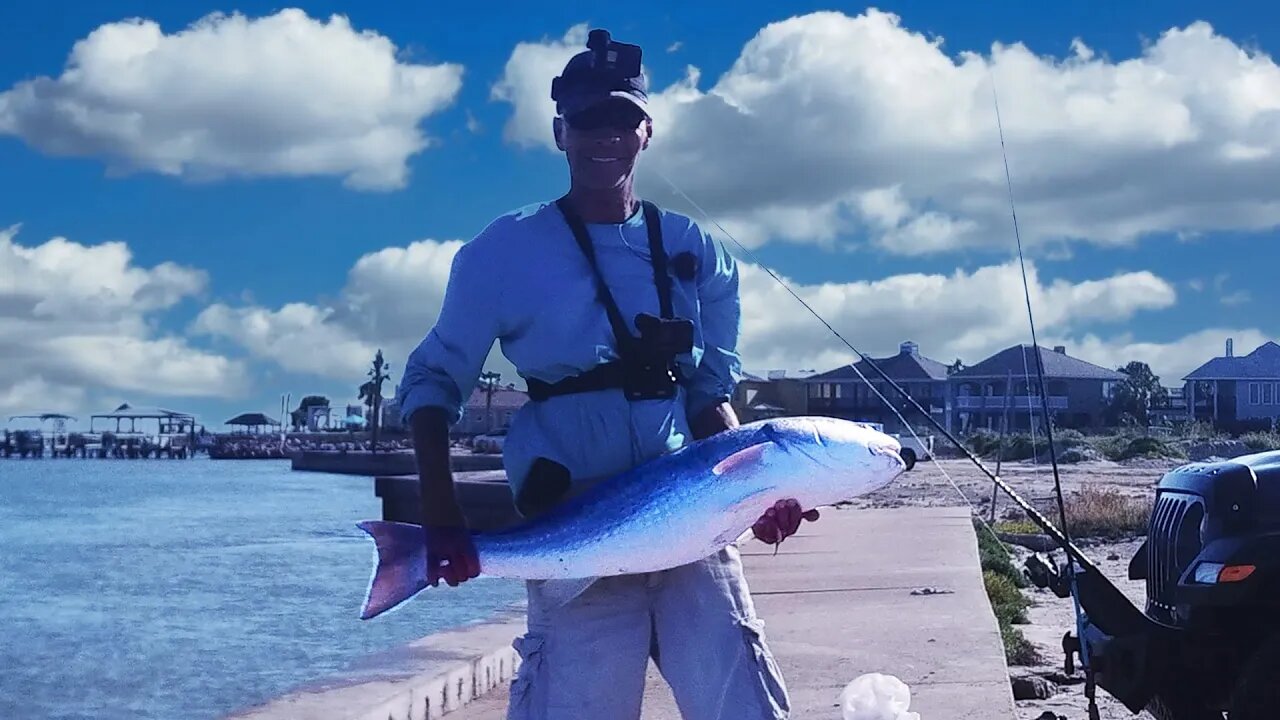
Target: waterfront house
<point x="1077" y="390"/>
<point x="844" y="394"/>
<point x="481" y="415"/>
<point x="778" y="393"/>
<point x="1237" y="393"/>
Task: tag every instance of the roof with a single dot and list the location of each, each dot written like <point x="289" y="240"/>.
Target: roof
<point x="1262" y="363"/>
<point x="251" y="419"/>
<point x="1020" y="358"/>
<point x="908" y="364"/>
<point x="780" y="374"/>
<point x="127" y="411"/>
<point x="503" y="398"/>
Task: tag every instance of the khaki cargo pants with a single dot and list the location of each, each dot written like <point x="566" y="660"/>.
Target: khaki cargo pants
<point x="587" y="659"/>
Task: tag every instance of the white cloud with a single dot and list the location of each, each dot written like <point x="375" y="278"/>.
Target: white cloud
<point x="966" y="314"/>
<point x="283" y="95"/>
<point x="1170" y="360"/>
<point x="76" y="323"/>
<point x="526" y="84"/>
<point x="828" y="125"/>
<point x="390" y="300"/>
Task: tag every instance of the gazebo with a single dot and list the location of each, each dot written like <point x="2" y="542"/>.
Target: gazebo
<point x="171" y="422"/>
<point x="254" y="422"/>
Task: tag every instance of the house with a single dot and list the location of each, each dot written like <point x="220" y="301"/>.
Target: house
<point x="1077" y="390"/>
<point x="778" y="393"/>
<point x="844" y="394"/>
<point x="483" y="414"/>
<point x="1237" y="393"/>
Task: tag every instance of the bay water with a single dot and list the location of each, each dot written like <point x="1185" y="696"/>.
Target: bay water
<point x="191" y="588"/>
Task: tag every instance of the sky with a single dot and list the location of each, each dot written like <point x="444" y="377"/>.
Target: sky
<point x="207" y="206"/>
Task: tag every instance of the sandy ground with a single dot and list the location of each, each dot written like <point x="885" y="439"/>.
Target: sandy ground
<point x="1050" y="617"/>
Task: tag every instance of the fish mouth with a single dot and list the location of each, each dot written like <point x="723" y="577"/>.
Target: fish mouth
<point x="887" y="450"/>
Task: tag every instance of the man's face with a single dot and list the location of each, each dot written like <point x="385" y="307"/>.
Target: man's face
<point x="602" y="142"/>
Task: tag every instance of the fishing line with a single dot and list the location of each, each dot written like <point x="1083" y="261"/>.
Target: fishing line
<point x="869" y="362"/>
<point x="1035" y="345"/>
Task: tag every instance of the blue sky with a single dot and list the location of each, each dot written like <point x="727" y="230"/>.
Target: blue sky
<point x="1145" y="248"/>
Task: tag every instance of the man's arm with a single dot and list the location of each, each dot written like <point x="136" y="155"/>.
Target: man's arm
<point x="438" y="377"/>
<point x="714" y="419"/>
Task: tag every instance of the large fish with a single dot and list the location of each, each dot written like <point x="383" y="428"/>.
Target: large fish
<point x="673" y="510"/>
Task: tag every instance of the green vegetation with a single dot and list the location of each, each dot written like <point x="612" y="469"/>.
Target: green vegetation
<point x="1092" y="513"/>
<point x="1261" y="441"/>
<point x="1002" y="581"/>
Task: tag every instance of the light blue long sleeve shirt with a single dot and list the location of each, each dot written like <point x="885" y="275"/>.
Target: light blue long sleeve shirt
<point x="524" y="282"/>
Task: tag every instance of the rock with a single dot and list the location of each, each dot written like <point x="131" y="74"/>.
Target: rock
<point x="1113" y="557"/>
<point x="1046" y="715"/>
<point x="1058" y="677"/>
<point x="1031" y="687"/>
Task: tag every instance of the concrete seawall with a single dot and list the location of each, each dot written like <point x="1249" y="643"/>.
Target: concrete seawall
<point x="891" y="591"/>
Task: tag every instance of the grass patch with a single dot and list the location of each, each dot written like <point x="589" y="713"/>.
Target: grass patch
<point x="1261" y="441"/>
<point x="1017" y="527"/>
<point x="1125" y="446"/>
<point x="1002" y="581"/>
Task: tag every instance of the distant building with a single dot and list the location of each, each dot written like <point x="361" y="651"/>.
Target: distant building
<point x="778" y="393"/>
<point x="843" y="393"/>
<point x="479" y="415"/>
<point x="1078" y="391"/>
<point x="1236" y="392"/>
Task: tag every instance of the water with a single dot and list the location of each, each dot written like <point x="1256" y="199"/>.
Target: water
<point x="190" y="588"/>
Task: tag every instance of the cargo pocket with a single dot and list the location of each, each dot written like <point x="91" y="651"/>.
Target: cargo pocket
<point x="527" y="683"/>
<point x="766" y="675"/>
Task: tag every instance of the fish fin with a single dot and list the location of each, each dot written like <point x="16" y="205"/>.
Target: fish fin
<point x="742" y="505"/>
<point x="560" y="591"/>
<point x="400" y="572"/>
<point x="742" y="459"/>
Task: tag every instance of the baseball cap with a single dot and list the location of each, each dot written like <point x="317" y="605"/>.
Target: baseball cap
<point x="608" y="69"/>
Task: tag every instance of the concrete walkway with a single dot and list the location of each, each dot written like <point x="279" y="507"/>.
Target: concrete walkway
<point x="837" y="601"/>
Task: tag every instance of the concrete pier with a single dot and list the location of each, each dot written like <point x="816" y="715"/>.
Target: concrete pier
<point x="890" y="591"/>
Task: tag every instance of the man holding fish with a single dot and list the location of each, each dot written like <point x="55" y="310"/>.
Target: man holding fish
<point x="623" y="319"/>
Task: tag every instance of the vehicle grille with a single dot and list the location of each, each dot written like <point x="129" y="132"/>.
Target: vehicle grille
<point x="1173" y="542"/>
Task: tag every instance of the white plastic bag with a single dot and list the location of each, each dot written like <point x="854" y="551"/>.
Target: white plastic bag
<point x="876" y="697"/>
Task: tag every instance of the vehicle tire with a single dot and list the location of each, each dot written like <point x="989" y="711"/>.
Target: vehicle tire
<point x="1167" y="708"/>
<point x="1257" y="692"/>
<point x="909" y="457"/>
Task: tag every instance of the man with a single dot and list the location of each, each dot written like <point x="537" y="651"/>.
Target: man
<point x="623" y="319"/>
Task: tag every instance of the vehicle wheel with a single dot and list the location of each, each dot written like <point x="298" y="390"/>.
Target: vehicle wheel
<point x="1166" y="708"/>
<point x="1257" y="692"/>
<point x="909" y="457"/>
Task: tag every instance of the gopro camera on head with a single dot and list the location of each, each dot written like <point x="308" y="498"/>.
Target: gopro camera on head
<point x="607" y="65"/>
<point x="621" y="60"/>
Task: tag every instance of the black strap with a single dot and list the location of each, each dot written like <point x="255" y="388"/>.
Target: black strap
<point x="657" y="257"/>
<point x="601" y="377"/>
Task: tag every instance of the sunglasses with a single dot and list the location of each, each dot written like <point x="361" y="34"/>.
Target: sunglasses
<point x="609" y="116"/>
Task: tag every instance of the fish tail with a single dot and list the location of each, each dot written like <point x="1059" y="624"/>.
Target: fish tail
<point x="400" y="572"/>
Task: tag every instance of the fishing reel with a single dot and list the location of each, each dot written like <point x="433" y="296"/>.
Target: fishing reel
<point x="1046" y="574"/>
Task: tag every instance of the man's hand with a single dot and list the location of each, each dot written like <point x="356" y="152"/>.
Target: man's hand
<point x="781" y="521"/>
<point x="451" y="556"/>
